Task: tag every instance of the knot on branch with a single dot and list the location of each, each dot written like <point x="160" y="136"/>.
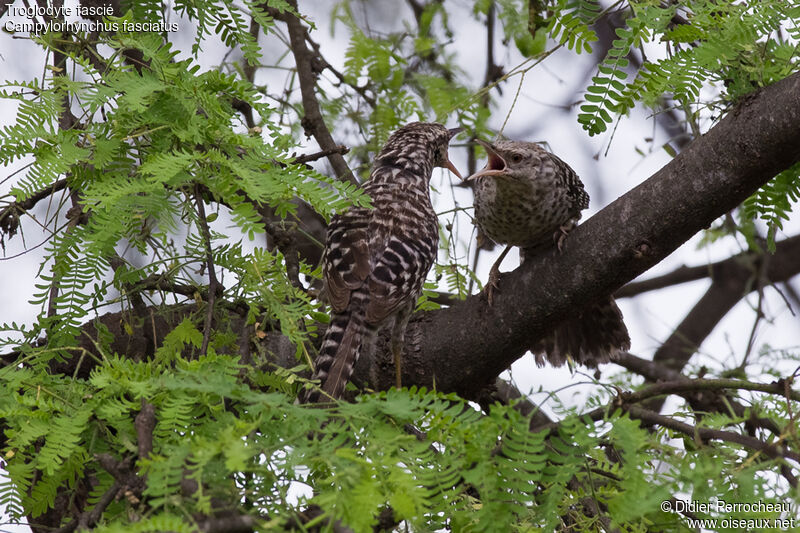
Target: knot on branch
<point x="128" y="482"/>
<point x="9" y="223"/>
<point x="643" y="249"/>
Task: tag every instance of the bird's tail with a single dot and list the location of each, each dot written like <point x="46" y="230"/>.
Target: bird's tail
<point x="596" y="335"/>
<point x="337" y="357"/>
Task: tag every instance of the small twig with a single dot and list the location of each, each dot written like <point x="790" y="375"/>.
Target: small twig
<point x="513" y="104"/>
<point x="157" y="282"/>
<point x="10" y="214"/>
<point x="66" y="121"/>
<point x="362" y="91"/>
<point x="651" y="418"/>
<point x="787" y="393"/>
<point x="91" y="518"/>
<point x="731" y="281"/>
<point x="75" y="216"/>
<point x="785" y="298"/>
<point x="707" y="400"/>
<point x="492" y="74"/>
<point x="696" y="385"/>
<point x="88" y="519"/>
<point x="625" y="401"/>
<point x="154" y="332"/>
<point x="428" y="56"/>
<point x="506" y="393"/>
<point x="786" y="256"/>
<point x="307" y="158"/>
<point x="119" y="469"/>
<point x="249" y="74"/>
<point x="771" y="450"/>
<point x="144" y="423"/>
<point x="762" y="280"/>
<point x="791" y="296"/>
<point x="680" y="275"/>
<point x="212" y="275"/>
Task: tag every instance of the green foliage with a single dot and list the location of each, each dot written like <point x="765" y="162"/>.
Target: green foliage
<point x="401" y="76"/>
<point x="164" y="131"/>
<point x="570" y="24"/>
<point x="773" y="202"/>
<point x="736" y="46"/>
<point x="470" y="472"/>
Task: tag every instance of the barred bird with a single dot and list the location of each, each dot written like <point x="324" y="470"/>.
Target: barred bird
<point x="377" y="258"/>
<point x="527" y="197"/>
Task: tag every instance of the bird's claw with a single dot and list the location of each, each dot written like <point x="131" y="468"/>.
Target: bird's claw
<point x="561" y="235"/>
<point x="492" y="284"/>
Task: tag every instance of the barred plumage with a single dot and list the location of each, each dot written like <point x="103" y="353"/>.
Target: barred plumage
<point x="376" y="259"/>
<point x="527" y="197"/>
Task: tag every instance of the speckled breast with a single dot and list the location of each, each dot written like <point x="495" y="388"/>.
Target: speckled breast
<point x="520" y="213"/>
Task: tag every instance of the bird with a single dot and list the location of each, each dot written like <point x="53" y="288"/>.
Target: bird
<point x="377" y="258"/>
<point x="528" y="197"/>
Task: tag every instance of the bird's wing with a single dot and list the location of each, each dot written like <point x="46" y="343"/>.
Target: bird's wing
<point x="405" y="253"/>
<point x="575" y="190"/>
<point x="392" y="279"/>
<point x="347" y="257"/>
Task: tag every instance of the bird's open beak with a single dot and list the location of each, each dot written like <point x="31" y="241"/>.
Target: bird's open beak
<point x="495" y="166"/>
<point x="449" y="165"/>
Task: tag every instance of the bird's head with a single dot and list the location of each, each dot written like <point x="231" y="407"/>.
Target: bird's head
<point x="509" y="159"/>
<point x="407" y="144"/>
<point x="440" y="156"/>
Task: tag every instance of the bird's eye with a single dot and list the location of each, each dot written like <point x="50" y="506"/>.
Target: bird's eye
<point x="516" y="158"/>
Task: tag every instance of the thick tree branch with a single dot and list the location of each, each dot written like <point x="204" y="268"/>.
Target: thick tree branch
<point x="785" y="261"/>
<point x="464" y="347"/>
<point x="732" y="281"/>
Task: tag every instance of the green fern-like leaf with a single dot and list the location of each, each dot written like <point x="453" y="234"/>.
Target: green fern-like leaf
<point x="773" y="202"/>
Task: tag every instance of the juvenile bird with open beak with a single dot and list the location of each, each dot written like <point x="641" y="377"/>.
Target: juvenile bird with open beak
<point x="527" y="197"/>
